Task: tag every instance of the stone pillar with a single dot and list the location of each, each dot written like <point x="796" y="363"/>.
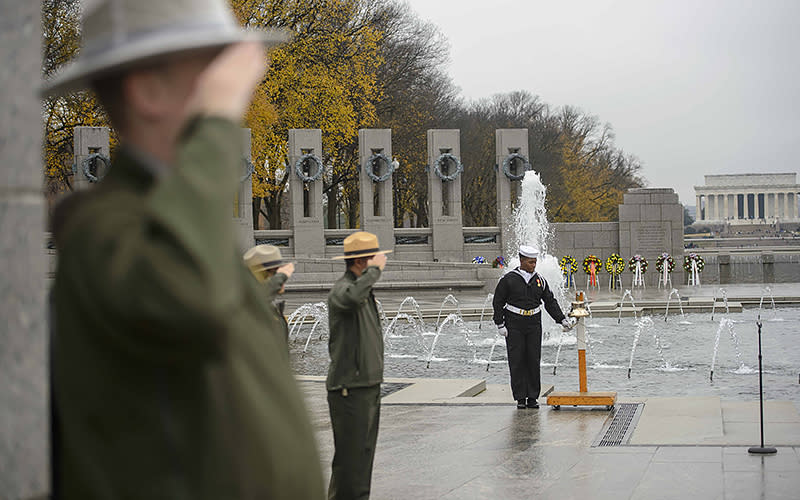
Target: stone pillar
<point x="725" y="206"/>
<point x="711" y="207"/>
<point x="736" y="206"/>
<point x="650" y="223"/>
<point x="377" y="212"/>
<point x="85" y="141"/>
<point x="24" y="390"/>
<point x="508" y="141"/>
<point x="444" y="198"/>
<point x="698" y="208"/>
<point x="768" y="266"/>
<point x="305" y="198"/>
<point x="724" y="263"/>
<point x="243" y="203"/>
<point x="783" y="206"/>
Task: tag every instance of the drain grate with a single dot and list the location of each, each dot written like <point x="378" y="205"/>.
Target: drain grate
<point x="620" y="425"/>
<point x="388" y="388"/>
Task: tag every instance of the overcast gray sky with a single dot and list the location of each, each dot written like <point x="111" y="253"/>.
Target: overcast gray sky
<point x="690" y="87"/>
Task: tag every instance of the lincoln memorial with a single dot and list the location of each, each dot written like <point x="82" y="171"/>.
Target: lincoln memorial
<point x="745" y="198"/>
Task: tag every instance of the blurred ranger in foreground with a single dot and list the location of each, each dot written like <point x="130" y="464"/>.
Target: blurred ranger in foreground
<point x="517" y="307"/>
<point x="165" y="384"/>
<point x="356" y="370"/>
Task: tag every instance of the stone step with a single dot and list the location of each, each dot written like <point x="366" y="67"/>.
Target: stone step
<point x="454" y="285"/>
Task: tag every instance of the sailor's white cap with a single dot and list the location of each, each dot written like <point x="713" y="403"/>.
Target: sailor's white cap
<point x="528" y="251"/>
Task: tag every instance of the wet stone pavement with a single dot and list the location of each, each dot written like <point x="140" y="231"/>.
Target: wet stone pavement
<point x="496" y="451"/>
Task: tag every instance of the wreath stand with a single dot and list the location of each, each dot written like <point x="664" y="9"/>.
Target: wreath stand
<point x="638" y="276"/>
<point x="583" y="397"/>
<point x="615" y="280"/>
<point x="664" y="277"/>
<point x="570" y="277"/>
<point x="592" y="280"/>
<point x="694" y="276"/>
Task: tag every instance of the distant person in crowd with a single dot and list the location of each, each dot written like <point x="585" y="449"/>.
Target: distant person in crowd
<point x="356" y="370"/>
<point x="269" y="268"/>
<point x="164" y="383"/>
<point x="517" y="306"/>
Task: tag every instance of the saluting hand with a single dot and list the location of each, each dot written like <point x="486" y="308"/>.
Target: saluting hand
<point x="226" y="86"/>
<point x="378" y="260"/>
<point x="287" y="269"/>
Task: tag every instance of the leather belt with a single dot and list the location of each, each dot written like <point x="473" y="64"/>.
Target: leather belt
<point x="522" y="312"/>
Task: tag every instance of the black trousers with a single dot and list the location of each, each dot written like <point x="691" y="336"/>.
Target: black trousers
<point x="524" y="347"/>
<point x="355" y="419"/>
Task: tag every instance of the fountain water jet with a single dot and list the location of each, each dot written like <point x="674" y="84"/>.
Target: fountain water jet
<point x="449" y="299"/>
<point x="680" y="304"/>
<point x="641" y="325"/>
<point x="726" y="323"/>
<point x="724" y="294"/>
<point x="622" y="303"/>
<point x="764" y="292"/>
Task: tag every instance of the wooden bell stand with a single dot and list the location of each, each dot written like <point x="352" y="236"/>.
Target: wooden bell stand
<point x="583" y="397"/>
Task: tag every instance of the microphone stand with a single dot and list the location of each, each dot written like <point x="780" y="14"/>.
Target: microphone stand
<point x="761" y="450"/>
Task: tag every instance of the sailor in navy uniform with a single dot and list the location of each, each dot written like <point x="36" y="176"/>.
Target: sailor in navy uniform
<point x="517" y="307"/>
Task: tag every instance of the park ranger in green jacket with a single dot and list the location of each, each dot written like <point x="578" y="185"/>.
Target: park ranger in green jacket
<point x="269" y="268"/>
<point x="171" y="379"/>
<point x="356" y="370"/>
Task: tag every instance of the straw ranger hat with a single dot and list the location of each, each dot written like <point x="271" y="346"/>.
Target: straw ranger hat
<point x="263" y="258"/>
<point x="361" y="244"/>
<point x="119" y="34"/>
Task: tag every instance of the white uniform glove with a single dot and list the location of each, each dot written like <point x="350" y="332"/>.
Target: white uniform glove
<point x="502" y="330"/>
<point x="568" y="323"/>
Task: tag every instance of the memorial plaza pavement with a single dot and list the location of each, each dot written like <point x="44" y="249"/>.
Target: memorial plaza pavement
<point x="464" y="439"/>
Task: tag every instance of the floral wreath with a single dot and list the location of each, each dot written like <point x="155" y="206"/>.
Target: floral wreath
<point x="568" y="265"/>
<point x="298" y="167"/>
<point x="660" y="263"/>
<point x="499" y="261"/>
<point x="92" y="159"/>
<point x="615" y="264"/>
<point x="440" y="162"/>
<point x="372" y="163"/>
<point x="687" y="262"/>
<point x="507" y="166"/>
<point x="598" y="264"/>
<point x="479" y="260"/>
<point x="641" y="260"/>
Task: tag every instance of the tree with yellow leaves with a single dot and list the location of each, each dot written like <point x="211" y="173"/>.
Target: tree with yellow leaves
<point x="61" y="40"/>
<point x="324" y="77"/>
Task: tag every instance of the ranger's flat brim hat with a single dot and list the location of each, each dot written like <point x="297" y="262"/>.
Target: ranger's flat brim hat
<point x="121" y="34"/>
<point x="263" y="257"/>
<point x="361" y="244"/>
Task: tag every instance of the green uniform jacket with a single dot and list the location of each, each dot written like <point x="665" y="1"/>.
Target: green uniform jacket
<point x="356" y="336"/>
<point x="171" y="379"/>
<point x="273" y="287"/>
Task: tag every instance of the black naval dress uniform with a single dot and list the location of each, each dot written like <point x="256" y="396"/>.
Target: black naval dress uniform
<point x="517" y="306"/>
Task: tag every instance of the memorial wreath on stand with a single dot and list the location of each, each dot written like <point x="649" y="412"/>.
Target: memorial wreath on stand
<point x="638" y="265"/>
<point x="693" y="264"/>
<point x="499" y="261"/>
<point x="569" y="266"/>
<point x="592" y="266"/>
<point x="479" y="260"/>
<point x="665" y="264"/>
<point x="615" y="265"/>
